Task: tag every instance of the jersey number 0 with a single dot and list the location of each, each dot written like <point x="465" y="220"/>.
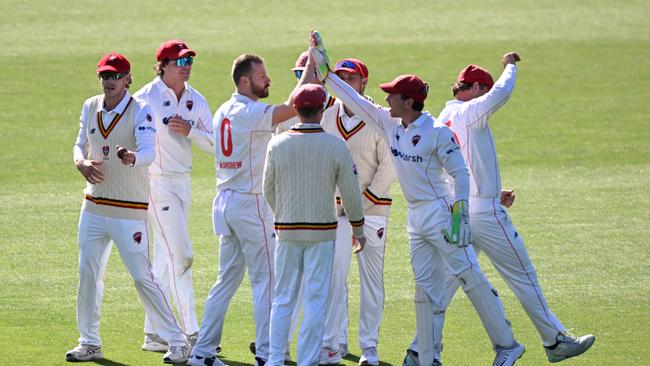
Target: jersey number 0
<point x="226" y="142"/>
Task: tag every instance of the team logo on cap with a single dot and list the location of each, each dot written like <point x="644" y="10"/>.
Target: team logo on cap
<point x="380" y="233"/>
<point x="415" y="139"/>
<point x="106" y="150"/>
<point x="137" y="237"/>
<point x="189" y="104"/>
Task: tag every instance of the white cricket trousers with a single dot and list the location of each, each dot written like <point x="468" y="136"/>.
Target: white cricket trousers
<point x="371" y="278"/>
<point x="169" y="211"/>
<point x="430" y="252"/>
<point x="250" y="245"/>
<point x="131" y="237"/>
<point x="311" y="263"/>
<point x="495" y="234"/>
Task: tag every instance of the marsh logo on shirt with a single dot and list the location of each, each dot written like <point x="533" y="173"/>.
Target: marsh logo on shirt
<point x="380" y="233"/>
<point x="415" y="139"/>
<point x="406" y="157"/>
<point x="137" y="237"/>
<point x="189" y="104"/>
<point x="105" y="151"/>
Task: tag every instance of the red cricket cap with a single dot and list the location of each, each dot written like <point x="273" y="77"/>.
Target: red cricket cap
<point x="409" y="85"/>
<point x="301" y="62"/>
<point x="309" y="95"/>
<point x="114" y="62"/>
<point x="173" y="49"/>
<point x="352" y="65"/>
<point x="476" y="74"/>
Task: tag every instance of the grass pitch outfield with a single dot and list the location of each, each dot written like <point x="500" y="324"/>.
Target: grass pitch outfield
<point x="572" y="142"/>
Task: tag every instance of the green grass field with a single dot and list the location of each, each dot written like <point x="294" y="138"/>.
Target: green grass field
<point x="572" y="142"/>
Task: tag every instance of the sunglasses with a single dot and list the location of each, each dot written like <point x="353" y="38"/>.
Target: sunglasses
<point x="185" y="61"/>
<point x="298" y="73"/>
<point x="347" y="64"/>
<point x="111" y="75"/>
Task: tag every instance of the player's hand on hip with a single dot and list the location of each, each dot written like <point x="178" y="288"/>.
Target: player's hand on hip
<point x="125" y="155"/>
<point x="179" y="126"/>
<point x="507" y="198"/>
<point x="91" y="170"/>
<point x="459" y="234"/>
<point x="510" y="58"/>
<point x="359" y="244"/>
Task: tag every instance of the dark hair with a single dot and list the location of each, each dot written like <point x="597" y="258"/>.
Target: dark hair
<point x="417" y="105"/>
<point x="243" y="65"/>
<point x="459" y="86"/>
<point x="309" y="112"/>
<point x="158" y="67"/>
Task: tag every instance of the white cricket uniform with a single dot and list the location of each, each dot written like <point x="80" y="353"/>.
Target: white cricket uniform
<point x="171" y="195"/>
<point x="116" y="209"/>
<point x="492" y="228"/>
<point x="303" y="169"/>
<point x="241" y="219"/>
<point x="423" y="154"/>
<point x="376" y="174"/>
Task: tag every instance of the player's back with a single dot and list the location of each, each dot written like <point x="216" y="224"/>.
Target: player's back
<point x="242" y="128"/>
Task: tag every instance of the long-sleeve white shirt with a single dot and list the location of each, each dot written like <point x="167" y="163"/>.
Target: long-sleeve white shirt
<point x="422" y="153"/>
<point x="174" y="151"/>
<point x="469" y="122"/>
<point x="144" y="138"/>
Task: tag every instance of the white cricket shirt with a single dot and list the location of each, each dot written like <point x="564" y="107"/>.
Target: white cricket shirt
<point x="469" y="122"/>
<point x="174" y="151"/>
<point x="242" y="129"/>
<point x="421" y="152"/>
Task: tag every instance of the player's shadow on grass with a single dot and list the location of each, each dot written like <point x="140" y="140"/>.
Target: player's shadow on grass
<point x="355" y="359"/>
<point x="108" y="362"/>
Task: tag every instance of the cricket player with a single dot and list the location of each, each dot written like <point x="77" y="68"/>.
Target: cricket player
<point x="303" y="169"/>
<point x="423" y="155"/>
<point x="376" y="174"/>
<point x="182" y="116"/>
<point x="476" y="98"/>
<point x="113" y="151"/>
<point x="243" y="126"/>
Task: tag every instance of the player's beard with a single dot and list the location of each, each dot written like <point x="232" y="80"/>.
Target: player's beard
<point x="261" y="92"/>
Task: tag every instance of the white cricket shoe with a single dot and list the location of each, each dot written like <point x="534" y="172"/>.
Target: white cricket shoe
<point x="84" y="353"/>
<point x="153" y="343"/>
<point x="195" y="360"/>
<point x="177" y="354"/>
<point x="568" y="346"/>
<point x="329" y="356"/>
<point x="369" y="357"/>
<point x="508" y="356"/>
<point x="343" y="349"/>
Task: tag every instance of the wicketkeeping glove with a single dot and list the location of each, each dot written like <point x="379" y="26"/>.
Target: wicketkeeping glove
<point x="319" y="53"/>
<point x="460" y="233"/>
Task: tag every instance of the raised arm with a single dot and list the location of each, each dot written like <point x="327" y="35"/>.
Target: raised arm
<point x="484" y="106"/>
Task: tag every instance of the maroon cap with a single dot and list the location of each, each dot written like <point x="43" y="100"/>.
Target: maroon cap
<point x="173" y="50"/>
<point x="309" y="95"/>
<point x="301" y="62"/>
<point x="352" y="65"/>
<point x="409" y="85"/>
<point x="476" y="74"/>
<point x="114" y="62"/>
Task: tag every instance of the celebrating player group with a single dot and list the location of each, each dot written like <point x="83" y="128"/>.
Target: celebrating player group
<point x="302" y="188"/>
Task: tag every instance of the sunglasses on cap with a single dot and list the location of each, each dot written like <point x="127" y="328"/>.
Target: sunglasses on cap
<point x="108" y="75"/>
<point x="298" y="73"/>
<point x="184" y="61"/>
<point x="347" y="64"/>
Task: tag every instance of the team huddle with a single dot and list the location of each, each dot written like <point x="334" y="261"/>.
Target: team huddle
<point x="302" y="188"/>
